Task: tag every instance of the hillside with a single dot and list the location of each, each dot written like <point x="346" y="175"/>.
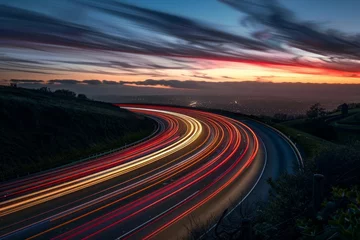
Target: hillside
<point x="41" y="130"/>
<point x="333" y="127"/>
<point x="330" y="149"/>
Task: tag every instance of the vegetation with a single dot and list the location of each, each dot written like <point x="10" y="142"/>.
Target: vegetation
<point x="339" y="217"/>
<point x="289" y="200"/>
<point x="309" y="145"/>
<point x="41" y="130"/>
<point x="290" y="211"/>
<point x="65" y="93"/>
<point x="315" y="111"/>
<point x="341" y="126"/>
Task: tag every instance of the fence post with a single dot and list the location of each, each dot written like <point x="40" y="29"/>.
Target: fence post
<point x="318" y="191"/>
<point x="246" y="229"/>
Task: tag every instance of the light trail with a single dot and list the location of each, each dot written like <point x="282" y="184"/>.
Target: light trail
<point x="19" y="203"/>
<point x="192" y="159"/>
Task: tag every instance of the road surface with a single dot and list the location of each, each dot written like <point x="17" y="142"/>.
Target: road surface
<point x="195" y="166"/>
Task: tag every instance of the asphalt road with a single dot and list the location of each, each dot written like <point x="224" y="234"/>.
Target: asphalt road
<point x="197" y="165"/>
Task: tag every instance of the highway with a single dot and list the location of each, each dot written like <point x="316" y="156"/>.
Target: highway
<point x="196" y="165"/>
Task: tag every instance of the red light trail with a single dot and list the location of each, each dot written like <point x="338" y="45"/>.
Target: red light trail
<point x="187" y="168"/>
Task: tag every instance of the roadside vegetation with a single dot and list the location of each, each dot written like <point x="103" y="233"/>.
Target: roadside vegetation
<point x="319" y="201"/>
<point x="331" y="151"/>
<point x="40" y="129"/>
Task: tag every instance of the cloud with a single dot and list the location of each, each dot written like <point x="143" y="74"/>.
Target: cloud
<point x="198" y="40"/>
<point x="227" y="77"/>
<point x="286" y="28"/>
<point x="203" y="76"/>
<point x="26" y="81"/>
<point x="92" y="82"/>
<point x="63" y="81"/>
<point x="67" y="81"/>
<point x="24" y="70"/>
<point x="137" y="64"/>
<point x="147" y="86"/>
<point x="169" y="83"/>
<point x="173" y="25"/>
<point x="172" y="37"/>
<point x="264" y="78"/>
<point x="203" y="88"/>
<point x="107" y="82"/>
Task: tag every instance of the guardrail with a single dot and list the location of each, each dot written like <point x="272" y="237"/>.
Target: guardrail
<point x="227" y="213"/>
<point x="292" y="144"/>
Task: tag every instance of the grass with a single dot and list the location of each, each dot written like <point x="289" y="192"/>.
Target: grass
<point x="351" y="120"/>
<point x="334" y="127"/>
<point x="351" y="111"/>
<point x="39" y="130"/>
<point x="295" y="122"/>
<point x="309" y="145"/>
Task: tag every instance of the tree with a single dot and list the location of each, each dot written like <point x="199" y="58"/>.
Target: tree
<point x="45" y="89"/>
<point x="65" y="93"/>
<point x="344" y="109"/>
<point x="315" y="111"/>
<point x="82" y="96"/>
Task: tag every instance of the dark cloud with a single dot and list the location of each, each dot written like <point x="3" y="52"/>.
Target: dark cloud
<point x="126" y="65"/>
<point x="47" y="66"/>
<point x="206" y="88"/>
<point x="264" y="78"/>
<point x="198" y="40"/>
<point x="92" y="82"/>
<point x="169" y="83"/>
<point x="110" y="82"/>
<point x="23" y="70"/>
<point x="286" y="28"/>
<point x="26" y="81"/>
<point x="173" y="37"/>
<point x="173" y="25"/>
<point x="63" y="81"/>
<point x="227" y="77"/>
<point x="203" y="76"/>
<point x="7" y="59"/>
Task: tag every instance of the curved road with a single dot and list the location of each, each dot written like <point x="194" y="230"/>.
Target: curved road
<point x="197" y="165"/>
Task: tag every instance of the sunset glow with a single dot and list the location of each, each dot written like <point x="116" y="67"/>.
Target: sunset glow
<point x="117" y="41"/>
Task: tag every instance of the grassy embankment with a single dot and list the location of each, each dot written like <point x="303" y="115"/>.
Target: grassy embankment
<point x="288" y="213"/>
<point x="41" y="130"/>
<point x="331" y="149"/>
<point x="334" y="127"/>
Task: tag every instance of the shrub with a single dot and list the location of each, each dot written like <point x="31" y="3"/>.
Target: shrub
<point x="65" y="93"/>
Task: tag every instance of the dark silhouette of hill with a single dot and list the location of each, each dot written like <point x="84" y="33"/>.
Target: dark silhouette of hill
<point x="41" y="129"/>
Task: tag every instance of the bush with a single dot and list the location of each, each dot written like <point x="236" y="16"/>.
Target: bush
<point x="289" y="214"/>
<point x="340" y="217"/>
<point x="289" y="200"/>
<point x="82" y="96"/>
<point x="340" y="165"/>
<point x="45" y="89"/>
<point x="65" y="93"/>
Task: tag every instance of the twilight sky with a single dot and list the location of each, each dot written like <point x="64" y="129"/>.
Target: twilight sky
<point x="208" y="40"/>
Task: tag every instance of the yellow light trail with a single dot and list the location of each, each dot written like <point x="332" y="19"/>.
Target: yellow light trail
<point x="194" y="130"/>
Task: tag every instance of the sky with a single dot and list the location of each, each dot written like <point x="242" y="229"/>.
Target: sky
<point x="205" y="40"/>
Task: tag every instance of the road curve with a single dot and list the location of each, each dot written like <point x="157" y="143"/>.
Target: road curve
<point x="197" y="165"/>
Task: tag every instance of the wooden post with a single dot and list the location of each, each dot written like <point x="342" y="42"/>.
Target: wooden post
<point x="318" y="191"/>
<point x="246" y="229"/>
